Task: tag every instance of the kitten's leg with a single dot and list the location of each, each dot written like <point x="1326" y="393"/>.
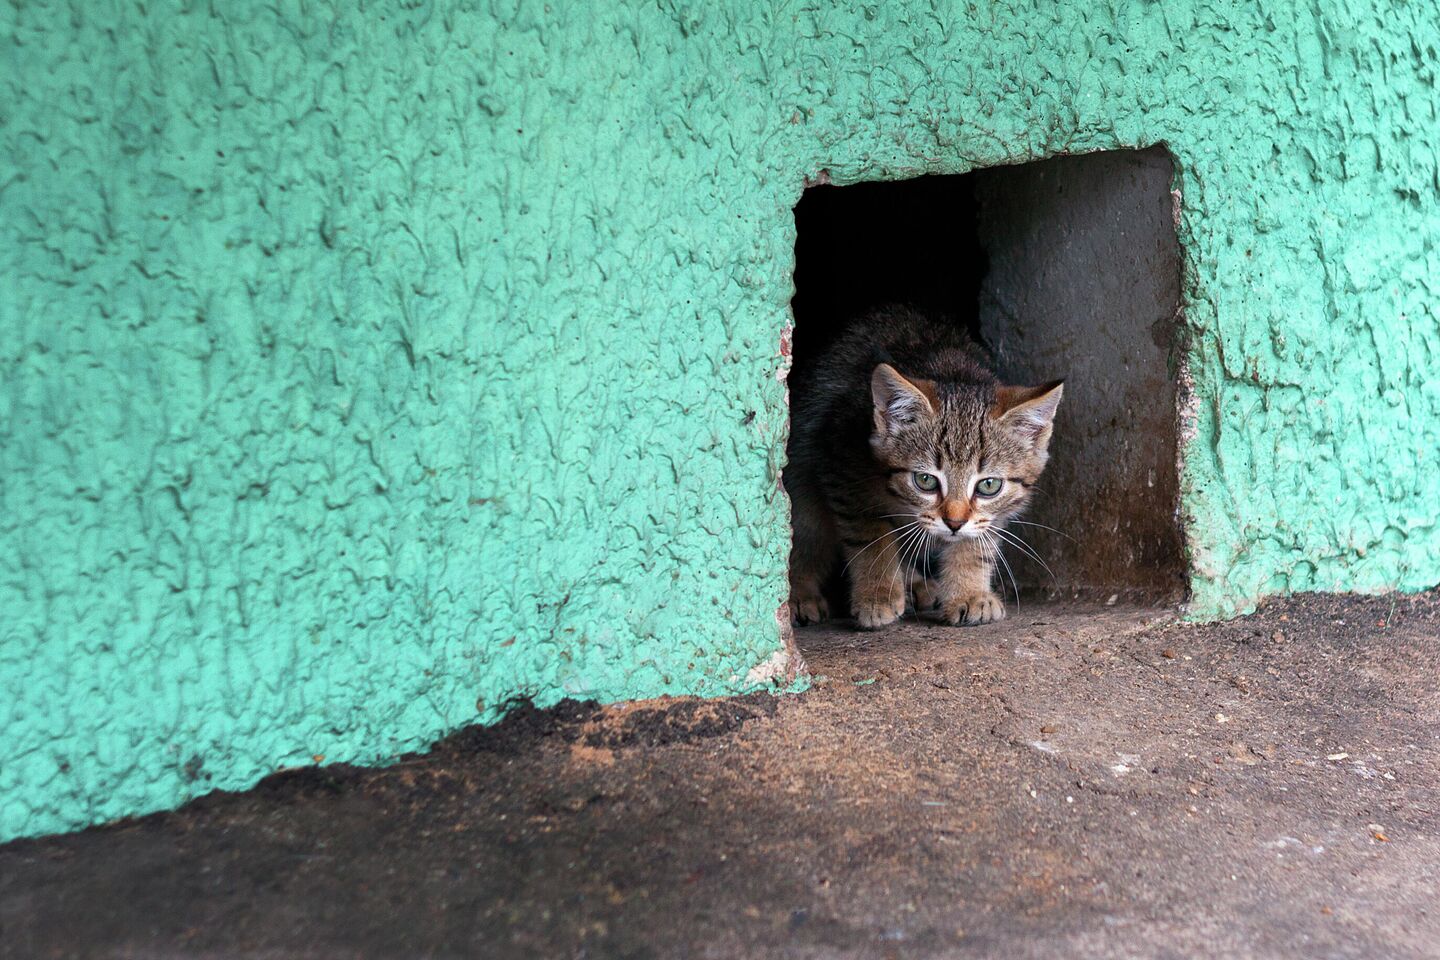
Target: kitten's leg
<point x="965" y="595"/>
<point x="812" y="557"/>
<point x="926" y="596"/>
<point x="877" y="584"/>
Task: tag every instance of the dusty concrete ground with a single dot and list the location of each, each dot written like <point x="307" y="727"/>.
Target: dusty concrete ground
<point x="1078" y="781"/>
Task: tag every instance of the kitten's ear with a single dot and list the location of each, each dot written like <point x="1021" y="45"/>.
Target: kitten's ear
<point x="898" y="401"/>
<point x="1029" y="411"/>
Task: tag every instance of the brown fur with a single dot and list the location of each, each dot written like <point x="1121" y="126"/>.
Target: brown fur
<point x="901" y="394"/>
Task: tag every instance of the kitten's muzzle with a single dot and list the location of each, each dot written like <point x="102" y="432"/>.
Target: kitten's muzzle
<point x="953" y="524"/>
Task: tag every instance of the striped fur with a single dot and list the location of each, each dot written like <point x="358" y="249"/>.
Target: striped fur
<point x="901" y="395"/>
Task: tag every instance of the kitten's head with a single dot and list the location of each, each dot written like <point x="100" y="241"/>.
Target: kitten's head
<point x="962" y="457"/>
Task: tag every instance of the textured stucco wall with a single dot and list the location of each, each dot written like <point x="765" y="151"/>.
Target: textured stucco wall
<point x="366" y="365"/>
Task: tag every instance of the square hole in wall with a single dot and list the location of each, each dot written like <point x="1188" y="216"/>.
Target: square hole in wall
<point x="1063" y="268"/>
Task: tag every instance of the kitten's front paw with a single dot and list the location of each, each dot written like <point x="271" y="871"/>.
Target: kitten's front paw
<point x="810" y="608"/>
<point x="975" y="609"/>
<point x="876" y="613"/>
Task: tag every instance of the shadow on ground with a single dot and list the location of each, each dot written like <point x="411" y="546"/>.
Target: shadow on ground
<point x="1080" y="780"/>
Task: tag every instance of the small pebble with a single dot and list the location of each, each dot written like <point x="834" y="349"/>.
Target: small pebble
<point x="1168" y="654"/>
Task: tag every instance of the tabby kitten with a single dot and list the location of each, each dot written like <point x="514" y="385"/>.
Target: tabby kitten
<point x="906" y="453"/>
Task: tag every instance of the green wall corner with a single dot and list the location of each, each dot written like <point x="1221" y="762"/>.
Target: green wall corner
<point x="367" y="369"/>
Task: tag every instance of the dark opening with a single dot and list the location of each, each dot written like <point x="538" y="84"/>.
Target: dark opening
<point x="1068" y="267"/>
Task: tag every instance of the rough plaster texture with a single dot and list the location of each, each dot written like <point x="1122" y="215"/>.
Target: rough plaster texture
<point x="1084" y="283"/>
<point x="367" y="365"/>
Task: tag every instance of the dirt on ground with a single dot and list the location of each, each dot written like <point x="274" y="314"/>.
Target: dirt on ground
<point x="1080" y="780"/>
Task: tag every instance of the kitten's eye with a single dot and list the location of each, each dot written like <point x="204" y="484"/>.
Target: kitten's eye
<point x="989" y="486"/>
<point x="927" y="482"/>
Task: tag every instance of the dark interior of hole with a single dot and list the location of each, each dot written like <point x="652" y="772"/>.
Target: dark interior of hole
<point x="862" y="246"/>
<point x="1067" y="267"/>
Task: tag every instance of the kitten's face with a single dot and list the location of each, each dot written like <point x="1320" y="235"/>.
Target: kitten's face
<point x="962" y="459"/>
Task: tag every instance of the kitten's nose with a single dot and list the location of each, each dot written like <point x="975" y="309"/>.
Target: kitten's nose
<point x="954" y="524"/>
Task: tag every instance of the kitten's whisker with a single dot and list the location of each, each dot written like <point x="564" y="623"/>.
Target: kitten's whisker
<point x="1014" y="584"/>
<point x="902" y="551"/>
<point x="856" y="555"/>
<point x="1011" y="536"/>
<point x="988" y="550"/>
<point x="911" y="539"/>
<point x="876" y="557"/>
<point x="889" y="533"/>
<point x="1000" y="555"/>
<point x="913" y="549"/>
<point x="1042" y="526"/>
<point x="1014" y="538"/>
<point x="879" y="555"/>
<point x="898" y="547"/>
<point x="991" y="554"/>
<point x="918" y="551"/>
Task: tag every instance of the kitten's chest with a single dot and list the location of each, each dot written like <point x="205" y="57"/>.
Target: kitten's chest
<point x="930" y="560"/>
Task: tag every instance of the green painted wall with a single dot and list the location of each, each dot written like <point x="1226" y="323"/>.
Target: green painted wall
<point x="366" y="365"/>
